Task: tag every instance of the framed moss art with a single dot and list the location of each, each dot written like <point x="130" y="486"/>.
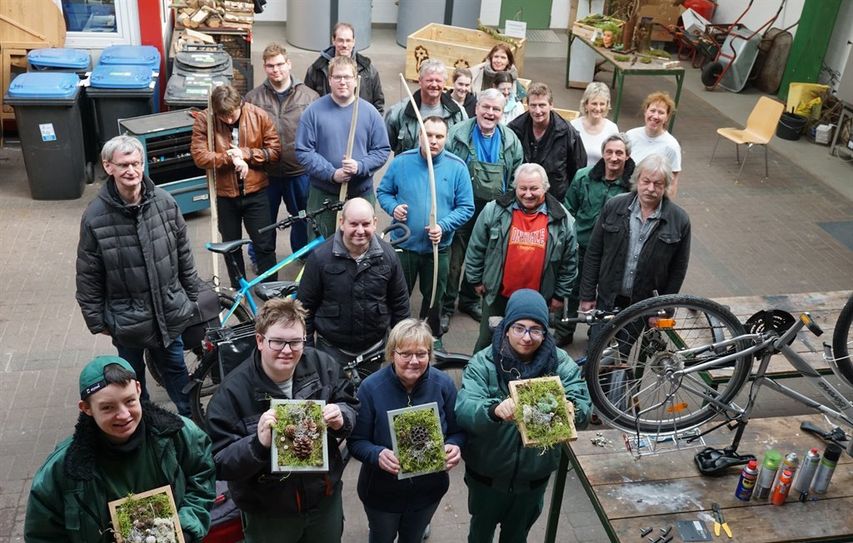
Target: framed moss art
<point x="417" y="439"/>
<point x="542" y="413"/>
<point x="147" y="517"/>
<point x="299" y="436"/>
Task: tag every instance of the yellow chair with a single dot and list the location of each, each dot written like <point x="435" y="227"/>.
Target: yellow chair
<point x="760" y="127"/>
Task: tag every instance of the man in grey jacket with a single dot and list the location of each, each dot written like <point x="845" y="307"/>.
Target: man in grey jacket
<point x="136" y="278"/>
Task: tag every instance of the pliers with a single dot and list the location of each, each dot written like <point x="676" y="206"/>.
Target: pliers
<point x="720" y="521"/>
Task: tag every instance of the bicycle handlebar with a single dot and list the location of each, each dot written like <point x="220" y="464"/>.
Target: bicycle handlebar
<point x="303" y="216"/>
<point x="590" y="317"/>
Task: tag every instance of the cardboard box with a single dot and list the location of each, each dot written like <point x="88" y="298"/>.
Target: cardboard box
<point x="455" y="47"/>
<point x="663" y="13"/>
<point x="694" y="23"/>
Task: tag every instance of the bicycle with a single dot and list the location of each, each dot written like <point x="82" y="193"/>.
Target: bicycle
<point x="669" y="348"/>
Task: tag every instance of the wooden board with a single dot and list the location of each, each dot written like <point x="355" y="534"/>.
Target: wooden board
<point x="455" y="46"/>
<point x="114" y="505"/>
<point x="32" y="21"/>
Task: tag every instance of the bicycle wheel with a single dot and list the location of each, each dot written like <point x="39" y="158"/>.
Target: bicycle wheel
<point x="453" y="364"/>
<point x="634" y="367"/>
<point x="841" y="341"/>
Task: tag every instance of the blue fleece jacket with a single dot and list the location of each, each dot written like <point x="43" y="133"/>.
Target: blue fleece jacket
<point x="407" y="182"/>
<point x="321" y="142"/>
<point x="383" y="392"/>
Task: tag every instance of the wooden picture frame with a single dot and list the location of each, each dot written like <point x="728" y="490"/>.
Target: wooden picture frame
<point x="428" y="458"/>
<point x="299" y="426"/>
<point x="122" y="535"/>
<point x="557" y="414"/>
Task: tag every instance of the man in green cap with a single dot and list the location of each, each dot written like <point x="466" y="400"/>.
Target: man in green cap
<point x="121" y="445"/>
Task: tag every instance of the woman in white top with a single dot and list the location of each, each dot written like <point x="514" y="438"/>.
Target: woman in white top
<point x="504" y="82"/>
<point x="653" y="138"/>
<point x="593" y="124"/>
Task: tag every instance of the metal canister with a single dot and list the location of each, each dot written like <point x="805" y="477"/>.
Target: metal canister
<point x="764" y="484"/>
<point x="805" y="474"/>
<point x="791" y="462"/>
<point x="746" y="484"/>
<point x="825" y="469"/>
<point x="782" y="487"/>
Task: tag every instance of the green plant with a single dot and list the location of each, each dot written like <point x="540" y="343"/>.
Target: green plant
<point x="299" y="432"/>
<point x="420" y="444"/>
<point x="141" y="519"/>
<point x="541" y="408"/>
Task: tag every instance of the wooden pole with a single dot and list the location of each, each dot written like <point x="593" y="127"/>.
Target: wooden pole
<point x="211" y="189"/>
<point x="342" y="195"/>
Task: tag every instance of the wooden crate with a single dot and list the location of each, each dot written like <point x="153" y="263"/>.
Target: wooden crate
<point x="456" y="47"/>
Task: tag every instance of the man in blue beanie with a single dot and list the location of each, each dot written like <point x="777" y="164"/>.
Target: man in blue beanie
<point x="506" y="481"/>
<point x="121" y="445"/>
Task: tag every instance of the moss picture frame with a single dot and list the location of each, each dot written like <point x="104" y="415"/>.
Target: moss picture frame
<point x="543" y="415"/>
<point x="152" y="513"/>
<point x="417" y="439"/>
<point x="299" y="437"/>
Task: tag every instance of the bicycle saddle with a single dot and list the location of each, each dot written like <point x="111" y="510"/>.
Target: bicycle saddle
<point x="711" y="461"/>
<point x="275" y="289"/>
<point x="226" y="247"/>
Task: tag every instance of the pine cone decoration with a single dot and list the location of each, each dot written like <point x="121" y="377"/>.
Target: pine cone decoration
<point x="419" y="436"/>
<point x="290" y="431"/>
<point x="302" y="447"/>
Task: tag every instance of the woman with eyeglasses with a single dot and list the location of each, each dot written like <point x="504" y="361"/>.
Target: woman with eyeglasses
<point x="401" y="509"/>
<point x="506" y="481"/>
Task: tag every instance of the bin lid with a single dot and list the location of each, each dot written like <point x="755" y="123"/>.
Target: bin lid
<point x="194" y="88"/>
<point x="44" y="85"/>
<point x="147" y="55"/>
<point x="120" y="76"/>
<point x="59" y="57"/>
<point x="203" y="60"/>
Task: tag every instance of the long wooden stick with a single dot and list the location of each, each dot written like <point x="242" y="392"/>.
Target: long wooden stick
<point x="211" y="189"/>
<point x="342" y="196"/>
<point x="433" y="203"/>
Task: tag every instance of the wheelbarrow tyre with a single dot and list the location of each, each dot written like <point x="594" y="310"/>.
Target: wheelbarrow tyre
<point x="711" y="74"/>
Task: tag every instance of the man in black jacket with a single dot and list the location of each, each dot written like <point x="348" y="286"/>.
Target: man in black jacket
<point x="548" y="140"/>
<point x="343" y="44"/>
<point x="284" y="507"/>
<point x="353" y="287"/>
<point x="639" y="245"/>
<point x="136" y="279"/>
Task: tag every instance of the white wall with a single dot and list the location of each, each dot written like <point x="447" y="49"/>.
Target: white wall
<point x="763" y="10"/>
<point x="839" y="44"/>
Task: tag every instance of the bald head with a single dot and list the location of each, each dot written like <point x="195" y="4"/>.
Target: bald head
<point x="357" y="205"/>
<point x="358" y="224"/>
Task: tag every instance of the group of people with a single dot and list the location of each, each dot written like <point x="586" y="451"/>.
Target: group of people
<point x="535" y="217"/>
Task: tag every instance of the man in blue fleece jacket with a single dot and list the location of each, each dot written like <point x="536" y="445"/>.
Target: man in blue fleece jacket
<point x="321" y="143"/>
<point x="404" y="193"/>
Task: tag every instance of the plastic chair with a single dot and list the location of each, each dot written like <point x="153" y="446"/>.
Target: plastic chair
<point x="760" y="127"/>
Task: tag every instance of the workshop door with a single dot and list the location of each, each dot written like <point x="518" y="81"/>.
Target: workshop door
<point x="536" y="13"/>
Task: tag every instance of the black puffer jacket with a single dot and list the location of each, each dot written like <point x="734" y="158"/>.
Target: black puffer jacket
<point x="136" y="278"/>
<point x="317" y="78"/>
<point x="560" y="151"/>
<point x="353" y="304"/>
<point x="232" y="421"/>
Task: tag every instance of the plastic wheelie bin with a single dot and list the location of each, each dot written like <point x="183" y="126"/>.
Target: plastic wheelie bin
<point x="183" y="91"/>
<point x="142" y="55"/>
<point x="47" y="111"/>
<point x="119" y="92"/>
<point x="77" y="61"/>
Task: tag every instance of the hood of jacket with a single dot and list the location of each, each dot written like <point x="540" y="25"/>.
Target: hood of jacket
<point x="597" y="172"/>
<point x="110" y="196"/>
<point x="445" y="100"/>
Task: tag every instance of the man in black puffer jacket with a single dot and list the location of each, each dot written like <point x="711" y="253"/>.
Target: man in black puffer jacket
<point x="136" y="278"/>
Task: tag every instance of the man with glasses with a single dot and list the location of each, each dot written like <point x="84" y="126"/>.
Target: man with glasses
<point x="244" y="144"/>
<point x="321" y="144"/>
<point x="136" y="278"/>
<point x="506" y="482"/>
<point x="343" y="45"/>
<point x="285" y="507"/>
<point x="523" y="239"/>
<point x="284" y="98"/>
<point x="353" y="287"/>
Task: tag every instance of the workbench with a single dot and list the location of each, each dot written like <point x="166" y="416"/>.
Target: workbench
<point x="629" y="67"/>
<point x="655" y="491"/>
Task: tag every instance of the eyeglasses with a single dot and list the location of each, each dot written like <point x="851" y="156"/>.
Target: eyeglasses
<point x="279" y="344"/>
<point x="341" y="77"/>
<point x="406" y="356"/>
<point x="124" y="166"/>
<point x="518" y="331"/>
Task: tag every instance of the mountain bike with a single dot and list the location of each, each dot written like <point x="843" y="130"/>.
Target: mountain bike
<point x="670" y="348"/>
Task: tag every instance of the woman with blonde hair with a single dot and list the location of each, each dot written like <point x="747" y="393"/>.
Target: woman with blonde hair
<point x="593" y="124"/>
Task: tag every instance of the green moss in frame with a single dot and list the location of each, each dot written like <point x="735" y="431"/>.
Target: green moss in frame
<point x="299" y="436"/>
<point x="543" y="415"/>
<point x="417" y="439"/>
<point x="149" y="516"/>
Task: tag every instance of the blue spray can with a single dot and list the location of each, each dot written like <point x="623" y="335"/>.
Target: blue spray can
<point x="746" y="484"/>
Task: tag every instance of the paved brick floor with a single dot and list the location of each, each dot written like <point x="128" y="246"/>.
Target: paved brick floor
<point x="751" y="237"/>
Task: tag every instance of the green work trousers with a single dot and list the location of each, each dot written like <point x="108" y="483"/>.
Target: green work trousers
<point x="322" y="525"/>
<point x="418" y="268"/>
<point x="327" y="221"/>
<point x="515" y="511"/>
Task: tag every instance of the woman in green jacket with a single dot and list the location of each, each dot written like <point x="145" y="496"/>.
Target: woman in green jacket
<point x="506" y="481"/>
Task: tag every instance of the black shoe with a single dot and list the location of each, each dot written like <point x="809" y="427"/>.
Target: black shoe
<point x="472" y="311"/>
<point x="444" y="322"/>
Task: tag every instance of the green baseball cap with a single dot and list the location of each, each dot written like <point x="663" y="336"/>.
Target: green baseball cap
<point x="92" y="377"/>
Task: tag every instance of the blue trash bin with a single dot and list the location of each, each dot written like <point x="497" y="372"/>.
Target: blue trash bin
<point x="47" y="112"/>
<point x="143" y="55"/>
<point x="119" y="92"/>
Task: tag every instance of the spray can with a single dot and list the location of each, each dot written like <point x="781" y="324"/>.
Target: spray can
<point x="764" y="483"/>
<point x="805" y="474"/>
<point x="825" y="469"/>
<point x="783" y="486"/>
<point x="746" y="484"/>
<point x="790" y="462"/>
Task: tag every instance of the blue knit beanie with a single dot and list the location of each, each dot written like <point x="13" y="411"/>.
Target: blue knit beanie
<point x="526" y="304"/>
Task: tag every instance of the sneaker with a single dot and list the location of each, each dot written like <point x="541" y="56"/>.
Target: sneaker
<point x="437" y="345"/>
<point x="444" y="322"/>
<point x="473" y="311"/>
